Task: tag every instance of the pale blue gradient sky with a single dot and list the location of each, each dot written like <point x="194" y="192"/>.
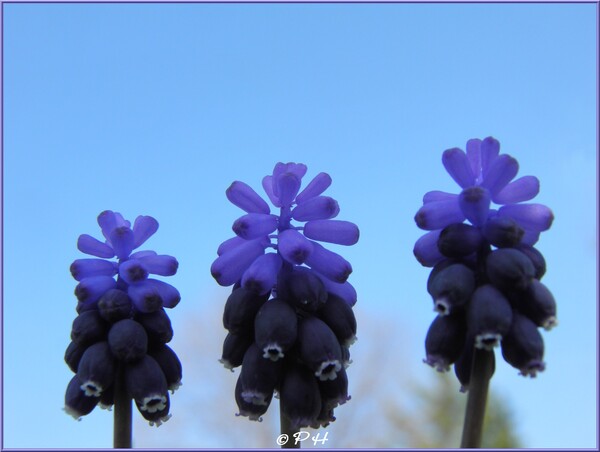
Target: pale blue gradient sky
<point x="155" y="109"/>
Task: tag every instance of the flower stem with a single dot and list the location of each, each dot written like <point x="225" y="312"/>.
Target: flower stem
<point x="122" y="421"/>
<point x="482" y="369"/>
<point x="286" y="429"/>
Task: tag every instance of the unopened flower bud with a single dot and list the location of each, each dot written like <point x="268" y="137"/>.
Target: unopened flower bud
<point x="509" y="269"/>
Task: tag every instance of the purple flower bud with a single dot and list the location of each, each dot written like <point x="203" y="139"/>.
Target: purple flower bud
<point x="489" y="316"/>
<point x="445" y="341"/>
<point x="261" y="275"/>
<point x="439" y="214"/>
<point x="170" y="365"/>
<point x="293" y="246"/>
<point x="259" y="376"/>
<point x="229" y="267"/>
<point x="317" y="208"/>
<point x="89" y="290"/>
<point x="96" y="369"/>
<point x="502" y="232"/>
<point x="338" y="316"/>
<point x="152" y="294"/>
<point x="241" y="309"/>
<point x="509" y="269"/>
<point x="114" y="305"/>
<point x="318" y="185"/>
<point x="300" y="398"/>
<point x="77" y="404"/>
<point x="254" y="225"/>
<point x="451" y="288"/>
<point x="73" y="354"/>
<point x="474" y="203"/>
<point x="244" y="197"/>
<point x="89" y="245"/>
<point x="523" y="346"/>
<point x="459" y="240"/>
<point x="539" y="263"/>
<point x="133" y="271"/>
<point x="156" y="412"/>
<point x="162" y="265"/>
<point x="332" y="231"/>
<point x="334" y="392"/>
<point x="302" y="288"/>
<point x="538" y="303"/>
<point x="275" y="329"/>
<point x="523" y="189"/>
<point x="235" y="346"/>
<point x="533" y="217"/>
<point x="329" y="264"/>
<point x="319" y="348"/>
<point x="144" y="227"/>
<point x="426" y="249"/>
<point x="267" y="184"/>
<point x="157" y="325"/>
<point x="147" y="385"/>
<point x="250" y="410"/>
<point x="502" y="170"/>
<point x="128" y="340"/>
<point x="344" y="290"/>
<point x="85" y="268"/>
<point x="474" y="157"/>
<point x="286" y="187"/>
<point x="456" y="163"/>
<point x="88" y="327"/>
<point x="123" y="241"/>
<point x="490" y="148"/>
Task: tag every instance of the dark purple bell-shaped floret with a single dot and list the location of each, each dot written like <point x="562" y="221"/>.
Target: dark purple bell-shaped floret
<point x="275" y="328"/>
<point x="489" y="316"/>
<point x="73" y="354"/>
<point x="88" y="327"/>
<point x="463" y="365"/>
<point x="445" y="341"/>
<point x="451" y="288"/>
<point x="128" y="340"/>
<point x="334" y="392"/>
<point x="459" y="240"/>
<point x="302" y="288"/>
<point x="300" y="397"/>
<point x="78" y="404"/>
<point x="509" y="269"/>
<point x="338" y="315"/>
<point x="523" y="346"/>
<point x="157" y="325"/>
<point x="241" y="309"/>
<point x="502" y="232"/>
<point x="234" y="349"/>
<point x="250" y="410"/>
<point x="115" y="305"/>
<point x="538" y="303"/>
<point x="147" y="385"/>
<point x="170" y="365"/>
<point x="89" y="290"/>
<point x="96" y="369"/>
<point x="156" y="412"/>
<point x="539" y="263"/>
<point x="319" y="348"/>
<point x="259" y="376"/>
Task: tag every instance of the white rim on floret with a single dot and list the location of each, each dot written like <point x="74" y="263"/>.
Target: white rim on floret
<point x="437" y="362"/>
<point x="154" y="403"/>
<point x="550" y="323"/>
<point x="273" y="351"/>
<point x="160" y="421"/>
<point x="487" y="341"/>
<point x="441" y="306"/>
<point x="255" y="397"/>
<point x="91" y="388"/>
<point x="328" y="370"/>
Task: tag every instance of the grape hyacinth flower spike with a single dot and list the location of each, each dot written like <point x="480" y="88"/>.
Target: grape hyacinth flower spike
<point x="486" y="272"/>
<point x="118" y="348"/>
<point x="289" y="316"/>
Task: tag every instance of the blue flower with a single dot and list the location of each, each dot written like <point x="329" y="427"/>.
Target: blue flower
<point x="485" y="177"/>
<point x="122" y="322"/>
<point x="289" y="316"/>
<point x="485" y="281"/>
<point x="244" y="258"/>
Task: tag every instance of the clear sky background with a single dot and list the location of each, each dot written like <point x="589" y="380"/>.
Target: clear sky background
<point x="155" y="109"/>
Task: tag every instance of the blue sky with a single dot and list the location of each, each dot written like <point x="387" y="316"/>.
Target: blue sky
<point x="156" y="108"/>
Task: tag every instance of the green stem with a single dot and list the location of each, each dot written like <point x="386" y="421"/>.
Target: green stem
<point x="481" y="372"/>
<point x="122" y="421"/>
<point x="287" y="430"/>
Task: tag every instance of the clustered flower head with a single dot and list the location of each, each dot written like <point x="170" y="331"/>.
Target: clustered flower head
<point x="289" y="316"/>
<point x="485" y="281"/>
<point x="122" y="327"/>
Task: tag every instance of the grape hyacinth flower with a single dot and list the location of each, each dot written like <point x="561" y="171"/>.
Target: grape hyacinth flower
<point x="486" y="272"/>
<point x="289" y="316"/>
<point x="118" y="340"/>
